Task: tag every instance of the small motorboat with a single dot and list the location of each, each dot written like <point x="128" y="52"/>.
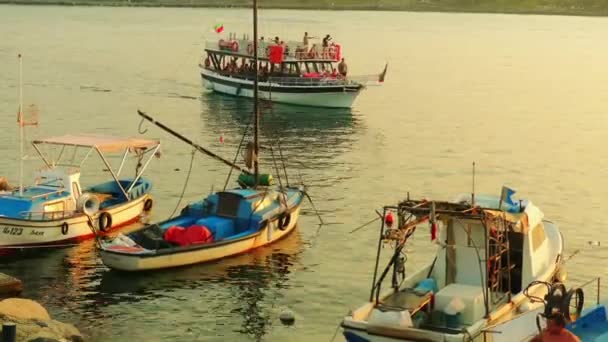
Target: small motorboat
<point x="56" y="210"/>
<point x="488" y="250"/>
<point x="224" y="224"/>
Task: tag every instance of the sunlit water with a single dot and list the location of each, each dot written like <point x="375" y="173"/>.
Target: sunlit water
<point x="522" y="96"/>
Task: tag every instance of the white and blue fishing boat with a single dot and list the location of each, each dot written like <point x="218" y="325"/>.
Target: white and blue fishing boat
<point x="56" y="210"/>
<point x="225" y="223"/>
<point x="488" y="250"/>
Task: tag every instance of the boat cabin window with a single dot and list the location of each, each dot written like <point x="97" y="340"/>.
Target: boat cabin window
<point x="538" y="236"/>
<point x="228" y="204"/>
<point x="53" y="210"/>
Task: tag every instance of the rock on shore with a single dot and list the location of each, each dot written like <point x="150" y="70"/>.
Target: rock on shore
<point x="34" y="324"/>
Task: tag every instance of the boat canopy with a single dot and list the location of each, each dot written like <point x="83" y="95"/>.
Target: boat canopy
<point x="519" y="222"/>
<point x="103" y="143"/>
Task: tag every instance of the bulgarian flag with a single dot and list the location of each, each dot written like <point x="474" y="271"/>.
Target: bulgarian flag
<point x="219" y="28"/>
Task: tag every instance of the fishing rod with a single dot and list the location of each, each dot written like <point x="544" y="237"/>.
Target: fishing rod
<point x="191" y="143"/>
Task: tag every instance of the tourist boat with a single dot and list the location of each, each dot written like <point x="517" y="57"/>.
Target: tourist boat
<point x="290" y="72"/>
<point x="489" y="249"/>
<point x="225" y="223"/>
<point x="56" y="210"/>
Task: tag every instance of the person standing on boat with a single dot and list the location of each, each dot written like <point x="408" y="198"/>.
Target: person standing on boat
<point x="342" y="68"/>
<point x="326" y="46"/>
<point x="556" y="331"/>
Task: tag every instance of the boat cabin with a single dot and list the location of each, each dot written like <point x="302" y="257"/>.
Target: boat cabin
<point x="486" y="256"/>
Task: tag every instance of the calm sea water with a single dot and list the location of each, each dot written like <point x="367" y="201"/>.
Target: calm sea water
<point x="522" y="96"/>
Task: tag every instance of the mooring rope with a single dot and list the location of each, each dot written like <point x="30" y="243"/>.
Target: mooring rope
<point x="181" y="197"/>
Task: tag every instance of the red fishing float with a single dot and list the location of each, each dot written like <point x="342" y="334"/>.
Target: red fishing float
<point x="389" y="219"/>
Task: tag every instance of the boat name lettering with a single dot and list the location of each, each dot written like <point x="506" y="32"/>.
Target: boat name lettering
<point x="36" y="232"/>
<point x="12" y="231"/>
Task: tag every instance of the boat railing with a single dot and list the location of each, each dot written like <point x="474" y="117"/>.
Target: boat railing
<point x="296" y="51"/>
<point x="310" y="81"/>
<point x="47" y="215"/>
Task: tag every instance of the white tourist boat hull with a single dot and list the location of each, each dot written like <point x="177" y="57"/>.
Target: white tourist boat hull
<point x="357" y="329"/>
<point x="28" y="233"/>
<point x="340" y="97"/>
<point x="214" y="251"/>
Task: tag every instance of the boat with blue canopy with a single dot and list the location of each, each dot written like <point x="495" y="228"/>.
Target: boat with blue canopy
<point x="225" y="223"/>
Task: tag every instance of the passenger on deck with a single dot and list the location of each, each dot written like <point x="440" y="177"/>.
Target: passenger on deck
<point x="556" y="331"/>
<point x="342" y="68"/>
<point x="276" y="40"/>
<point x="313" y="53"/>
<point x="326" y="46"/>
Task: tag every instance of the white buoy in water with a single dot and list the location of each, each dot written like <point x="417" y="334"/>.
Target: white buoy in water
<point x="287" y="317"/>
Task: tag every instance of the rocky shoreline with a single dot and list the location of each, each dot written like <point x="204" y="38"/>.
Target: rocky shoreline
<point x="33" y="322"/>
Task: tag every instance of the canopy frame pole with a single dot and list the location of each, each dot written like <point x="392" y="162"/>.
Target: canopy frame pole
<point x="122" y="163"/>
<point x="103" y="158"/>
<point x="60" y="155"/>
<point x="141" y="172"/>
<point x="86" y="157"/>
<point x="41" y="155"/>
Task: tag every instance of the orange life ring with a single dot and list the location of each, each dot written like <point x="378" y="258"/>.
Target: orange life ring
<point x="250" y="49"/>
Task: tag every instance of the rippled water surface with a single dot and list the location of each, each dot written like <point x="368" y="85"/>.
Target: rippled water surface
<point x="522" y="96"/>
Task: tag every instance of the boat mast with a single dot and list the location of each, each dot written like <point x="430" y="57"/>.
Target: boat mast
<point x="20" y="122"/>
<point x="256" y="120"/>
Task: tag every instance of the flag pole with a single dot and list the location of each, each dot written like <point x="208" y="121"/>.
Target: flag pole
<point x="502" y="194"/>
<point x="473" y="191"/>
<point x="20" y="122"/>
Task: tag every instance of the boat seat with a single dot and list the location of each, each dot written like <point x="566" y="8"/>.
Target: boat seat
<point x="220" y="227"/>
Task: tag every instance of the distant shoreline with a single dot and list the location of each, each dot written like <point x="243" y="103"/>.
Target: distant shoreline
<point x="344" y="5"/>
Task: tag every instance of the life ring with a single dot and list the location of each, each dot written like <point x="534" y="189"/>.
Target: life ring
<point x="250" y="49"/>
<point x="64" y="228"/>
<point x="148" y="204"/>
<point x="105" y="221"/>
<point x="284" y="221"/>
<point x="235" y="46"/>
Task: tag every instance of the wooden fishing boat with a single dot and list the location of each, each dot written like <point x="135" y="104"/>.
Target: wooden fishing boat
<point x="223" y="224"/>
<point x="488" y="251"/>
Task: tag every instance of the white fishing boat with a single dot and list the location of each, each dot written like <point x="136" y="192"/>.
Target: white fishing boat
<point x="301" y="76"/>
<point x="487" y="254"/>
<point x="56" y="210"/>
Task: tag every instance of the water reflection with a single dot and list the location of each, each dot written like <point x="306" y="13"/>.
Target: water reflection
<point x="308" y="135"/>
<point x="239" y="292"/>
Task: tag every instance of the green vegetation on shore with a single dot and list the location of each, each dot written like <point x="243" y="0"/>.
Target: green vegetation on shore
<point x="567" y="7"/>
